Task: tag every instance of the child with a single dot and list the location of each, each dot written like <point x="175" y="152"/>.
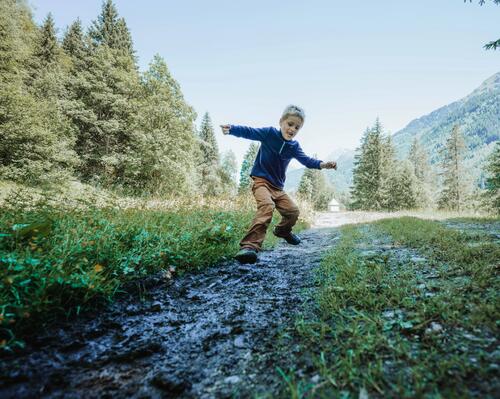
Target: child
<point x="268" y="174"/>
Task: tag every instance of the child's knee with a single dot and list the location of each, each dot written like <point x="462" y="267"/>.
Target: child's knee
<point x="265" y="211"/>
<point x="292" y="213"/>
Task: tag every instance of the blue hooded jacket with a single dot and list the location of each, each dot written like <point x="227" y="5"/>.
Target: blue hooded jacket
<point x="274" y="154"/>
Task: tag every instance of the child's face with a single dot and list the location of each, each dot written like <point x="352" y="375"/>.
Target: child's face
<point x="290" y="126"/>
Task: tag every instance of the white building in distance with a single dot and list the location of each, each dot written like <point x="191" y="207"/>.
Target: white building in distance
<point x="333" y="206"/>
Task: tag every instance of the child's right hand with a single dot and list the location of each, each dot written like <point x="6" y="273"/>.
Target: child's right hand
<point x="225" y="128"/>
<point x="328" y="165"/>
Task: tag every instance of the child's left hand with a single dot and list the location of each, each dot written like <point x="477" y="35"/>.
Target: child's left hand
<point x="225" y="128"/>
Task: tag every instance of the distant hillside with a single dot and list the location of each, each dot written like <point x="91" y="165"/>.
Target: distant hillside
<point x="478" y="116"/>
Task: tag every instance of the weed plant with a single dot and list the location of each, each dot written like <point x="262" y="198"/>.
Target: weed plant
<point x="58" y="261"/>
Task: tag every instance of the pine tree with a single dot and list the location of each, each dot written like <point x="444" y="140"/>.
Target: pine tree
<point x="48" y="71"/>
<point x="160" y="157"/>
<point x="492" y="193"/>
<point x="388" y="176"/>
<point x="306" y="187"/>
<point x="423" y="173"/>
<point x="48" y="50"/>
<point x="103" y="30"/>
<point x="228" y="171"/>
<point x="210" y="182"/>
<point x="404" y="188"/>
<point x="366" y="173"/>
<point x="322" y="191"/>
<point x="36" y="140"/>
<point x="246" y="167"/>
<point x="359" y="178"/>
<point x="73" y="41"/>
<point x="103" y="92"/>
<point x="455" y="190"/>
<point x="112" y="31"/>
<point x="209" y="146"/>
<point x="124" y="38"/>
<point x="314" y="188"/>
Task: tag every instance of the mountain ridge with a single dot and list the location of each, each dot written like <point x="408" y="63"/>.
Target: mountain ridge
<point x="478" y="115"/>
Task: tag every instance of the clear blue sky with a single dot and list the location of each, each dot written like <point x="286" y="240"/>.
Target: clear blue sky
<point x="344" y="62"/>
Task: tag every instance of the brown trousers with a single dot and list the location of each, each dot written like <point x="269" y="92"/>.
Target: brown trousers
<point x="269" y="197"/>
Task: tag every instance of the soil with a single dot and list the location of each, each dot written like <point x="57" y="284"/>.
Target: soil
<point x="214" y="334"/>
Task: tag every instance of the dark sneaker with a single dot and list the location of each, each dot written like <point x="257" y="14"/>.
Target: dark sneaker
<point x="246" y="255"/>
<point x="290" y="238"/>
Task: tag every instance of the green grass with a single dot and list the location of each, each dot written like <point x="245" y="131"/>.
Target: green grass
<point x="398" y="327"/>
<point x="55" y="263"/>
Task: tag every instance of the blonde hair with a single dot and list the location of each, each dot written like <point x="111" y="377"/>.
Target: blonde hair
<point x="293" y="110"/>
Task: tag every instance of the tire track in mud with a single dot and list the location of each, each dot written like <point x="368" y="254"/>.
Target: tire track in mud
<point x="205" y="335"/>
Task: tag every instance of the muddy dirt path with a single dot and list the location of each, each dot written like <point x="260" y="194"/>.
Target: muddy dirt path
<point x="205" y="335"/>
<point x="214" y="334"/>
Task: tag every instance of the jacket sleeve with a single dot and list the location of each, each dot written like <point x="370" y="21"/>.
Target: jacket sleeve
<point x="308" y="162"/>
<point x="250" y="133"/>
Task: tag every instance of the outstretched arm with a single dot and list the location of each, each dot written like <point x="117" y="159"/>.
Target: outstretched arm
<point x="308" y="162"/>
<point x="313" y="163"/>
<point x="246" y="132"/>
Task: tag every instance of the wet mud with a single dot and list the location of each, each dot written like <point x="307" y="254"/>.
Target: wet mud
<point x="213" y="334"/>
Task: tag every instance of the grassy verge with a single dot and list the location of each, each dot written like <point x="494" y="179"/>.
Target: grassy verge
<point x="57" y="263"/>
<point x="405" y="308"/>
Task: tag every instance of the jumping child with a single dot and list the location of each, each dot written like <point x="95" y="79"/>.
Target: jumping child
<point x="268" y="173"/>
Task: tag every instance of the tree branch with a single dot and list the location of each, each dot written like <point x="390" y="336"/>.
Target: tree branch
<point x="492" y="45"/>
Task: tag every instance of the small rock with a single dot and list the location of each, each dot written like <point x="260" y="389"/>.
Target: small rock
<point x="315" y="379"/>
<point x="140" y="350"/>
<point x="237" y="330"/>
<point x="193" y="296"/>
<point x="363" y="394"/>
<point x="239" y="342"/>
<point x="132" y="310"/>
<point x="434" y="328"/>
<point x="170" y="383"/>
<point x="418" y="259"/>
<point x="389" y="314"/>
<point x="234" y="379"/>
<point x="156" y="306"/>
<point x="166" y="275"/>
<point x="472" y="337"/>
<point x="369" y="253"/>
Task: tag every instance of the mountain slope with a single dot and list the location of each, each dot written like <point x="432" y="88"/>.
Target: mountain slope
<point x="477" y="114"/>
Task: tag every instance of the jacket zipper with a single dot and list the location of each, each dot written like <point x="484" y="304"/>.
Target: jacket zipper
<point x="282" y="147"/>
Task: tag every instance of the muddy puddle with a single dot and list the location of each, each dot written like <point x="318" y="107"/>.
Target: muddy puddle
<point x="205" y="335"/>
